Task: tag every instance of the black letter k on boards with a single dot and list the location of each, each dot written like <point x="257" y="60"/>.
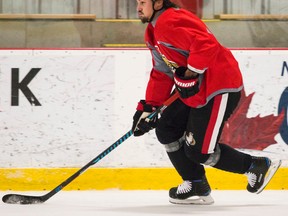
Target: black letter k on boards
<point x="23" y="86"/>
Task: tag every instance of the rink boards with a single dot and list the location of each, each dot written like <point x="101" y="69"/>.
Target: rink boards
<point x="61" y="108"/>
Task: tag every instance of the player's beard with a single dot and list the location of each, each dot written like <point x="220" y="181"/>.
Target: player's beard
<point x="144" y="19"/>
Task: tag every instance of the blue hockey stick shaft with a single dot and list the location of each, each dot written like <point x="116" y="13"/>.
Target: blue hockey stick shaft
<point x="27" y="199"/>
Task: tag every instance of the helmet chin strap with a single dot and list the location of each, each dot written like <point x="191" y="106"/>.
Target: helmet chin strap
<point x="154" y="11"/>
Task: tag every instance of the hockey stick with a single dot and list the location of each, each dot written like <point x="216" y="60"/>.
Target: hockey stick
<point x="27" y="199"/>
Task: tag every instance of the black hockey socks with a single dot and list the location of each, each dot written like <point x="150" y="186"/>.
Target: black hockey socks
<point x="186" y="168"/>
<point x="232" y="160"/>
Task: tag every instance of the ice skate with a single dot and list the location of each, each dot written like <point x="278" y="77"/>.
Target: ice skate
<point x="195" y="192"/>
<point x="260" y="173"/>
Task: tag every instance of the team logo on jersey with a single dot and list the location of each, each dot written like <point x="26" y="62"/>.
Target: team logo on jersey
<point x="171" y="64"/>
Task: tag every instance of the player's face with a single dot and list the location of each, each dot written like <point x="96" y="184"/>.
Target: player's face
<point x="145" y="10"/>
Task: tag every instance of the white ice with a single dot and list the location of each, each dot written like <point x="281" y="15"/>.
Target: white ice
<point x="150" y="203"/>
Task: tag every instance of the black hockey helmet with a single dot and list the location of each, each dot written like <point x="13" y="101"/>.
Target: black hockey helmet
<point x="166" y="4"/>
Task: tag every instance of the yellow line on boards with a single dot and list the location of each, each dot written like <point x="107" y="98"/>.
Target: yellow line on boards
<point x="137" y="20"/>
<point x="122" y="178"/>
<point x="124" y="45"/>
<point x="118" y="20"/>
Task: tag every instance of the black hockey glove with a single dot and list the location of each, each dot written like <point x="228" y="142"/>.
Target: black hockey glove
<point x="141" y="124"/>
<point x="186" y="87"/>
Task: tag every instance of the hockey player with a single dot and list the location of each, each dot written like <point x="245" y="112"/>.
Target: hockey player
<point x="187" y="55"/>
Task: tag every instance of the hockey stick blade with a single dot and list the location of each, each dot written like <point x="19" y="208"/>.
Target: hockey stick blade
<point x="22" y="199"/>
<point x="26" y="199"/>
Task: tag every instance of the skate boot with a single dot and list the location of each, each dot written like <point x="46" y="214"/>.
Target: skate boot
<point x="192" y="192"/>
<point x="260" y="173"/>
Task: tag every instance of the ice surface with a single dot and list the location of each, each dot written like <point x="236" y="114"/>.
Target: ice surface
<point x="150" y="203"/>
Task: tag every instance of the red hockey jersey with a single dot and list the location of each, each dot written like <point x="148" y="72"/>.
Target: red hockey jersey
<point x="179" y="38"/>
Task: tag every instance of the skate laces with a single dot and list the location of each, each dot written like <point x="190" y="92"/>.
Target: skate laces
<point x="256" y="172"/>
<point x="252" y="178"/>
<point x="185" y="187"/>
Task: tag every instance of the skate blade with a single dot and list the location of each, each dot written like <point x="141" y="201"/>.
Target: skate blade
<point x="195" y="200"/>
<point x="271" y="172"/>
